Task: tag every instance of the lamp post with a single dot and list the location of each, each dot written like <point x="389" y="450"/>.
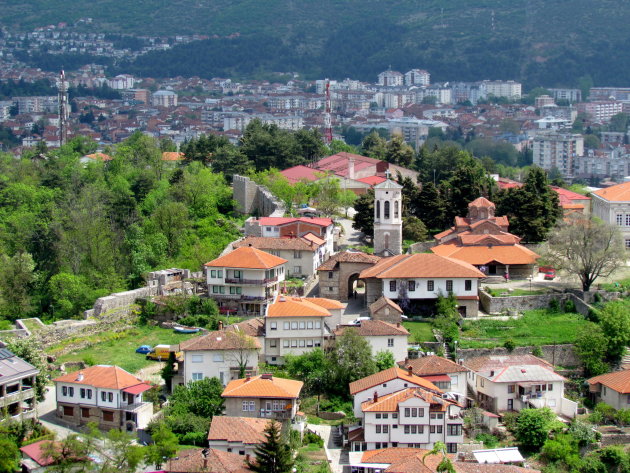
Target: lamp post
<point x="455" y="354"/>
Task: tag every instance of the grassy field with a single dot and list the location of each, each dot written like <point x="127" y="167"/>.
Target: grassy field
<point x="536" y="327"/>
<point x="312" y="459"/>
<point x="420" y="332"/>
<point x="516" y="292"/>
<point x="119" y="348"/>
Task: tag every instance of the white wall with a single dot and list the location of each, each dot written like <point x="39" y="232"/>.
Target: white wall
<point x="381" y="389"/>
<point x="76" y="398"/>
<point x="215" y="363"/>
<point x="381" y="343"/>
<point x="439" y="285"/>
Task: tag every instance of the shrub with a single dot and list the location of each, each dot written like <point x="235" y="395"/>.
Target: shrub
<point x="510" y="419"/>
<point x="582" y="432"/>
<point x="311" y="437"/>
<point x="569" y="305"/>
<point x="537" y="351"/>
<point x="622" y="416"/>
<point x="509" y="345"/>
<point x="89" y="360"/>
<point x="554" y="305"/>
<point x="608" y="412"/>
<point x="533" y="426"/>
<point x="489" y="441"/>
<point x="560" y="448"/>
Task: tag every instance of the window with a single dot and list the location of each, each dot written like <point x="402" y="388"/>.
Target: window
<point x="378" y="209"/>
<point x="238" y="274"/>
<point x="82" y="392"/>
<point x="217" y="357"/>
<point x="294" y="343"/>
<point x="273" y="326"/>
<point x="378" y="415"/>
<point x="430" y="285"/>
<point x="454" y="429"/>
<point x="627" y="220"/>
<point x="317" y="343"/>
<point x="451" y="448"/>
<point x="309" y="324"/>
<point x="71" y="391"/>
<point x="285" y="343"/>
<point x="219" y="273"/>
<point x="276" y="229"/>
<point x="550" y="387"/>
<point x="103" y="396"/>
<point x="269" y="229"/>
<point x="468" y="285"/>
<point x="392" y="286"/>
<point x="309" y="343"/>
<point x="439" y="429"/>
<point x="294" y="325"/>
<point x="481" y="382"/>
<point x="407" y="412"/>
<point x="414" y="412"/>
<point x="331" y="289"/>
<point x="330" y="274"/>
<point x="318" y="325"/>
<point x="236" y="290"/>
<point x="385" y="416"/>
<point x="378" y="428"/>
<point x="454" y="379"/>
<point x="385" y="429"/>
<point x="407" y="430"/>
<point x="386" y="209"/>
<point x="110" y="397"/>
<point x="245" y="406"/>
<point x="197" y="376"/>
<point x="620" y="219"/>
<point x="64" y="390"/>
<point x="197" y="358"/>
<point x="511" y="388"/>
<point x="390" y="342"/>
<point x="302" y="325"/>
<point x="287" y="325"/>
<point x="449" y="285"/>
<point x="411" y="285"/>
<point x="432" y="429"/>
<point x="297" y="254"/>
<point x="68" y="411"/>
<point x="297" y="269"/>
<point x="213" y="273"/>
<point x="85" y="412"/>
<point x="396" y="207"/>
<point x="108" y="416"/>
<point x="627" y="244"/>
<point x="302" y="343"/>
<point x="395" y="415"/>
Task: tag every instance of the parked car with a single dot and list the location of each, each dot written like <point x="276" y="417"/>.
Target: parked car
<point x="144" y="349"/>
<point x="161" y="353"/>
<point x="550" y="274"/>
<point x="545" y="269"/>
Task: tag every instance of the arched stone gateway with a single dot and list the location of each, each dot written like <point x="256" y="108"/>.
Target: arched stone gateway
<point x="352" y="280"/>
<point x="338" y="275"/>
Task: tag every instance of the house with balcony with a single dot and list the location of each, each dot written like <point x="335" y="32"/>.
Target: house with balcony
<point x="448" y="376"/>
<point x="17" y="386"/>
<point x="303" y="254"/>
<point x="416" y="280"/>
<point x="381" y="335"/>
<point x="245" y="280"/>
<point x="514" y="382"/>
<point x="239" y="435"/>
<point x="264" y="396"/>
<point x="220" y="354"/>
<point x="296" y="325"/>
<point x="107" y="395"/>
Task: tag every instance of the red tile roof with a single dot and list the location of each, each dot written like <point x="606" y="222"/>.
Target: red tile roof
<point x="348" y="257"/>
<point x="269" y="243"/>
<point x="36" y="452"/>
<point x="248" y="258"/>
<point x="300" y="173"/>
<point x="220" y="340"/>
<point x="372" y="180"/>
<point x="273" y="221"/>
<point x="386" y="376"/>
<point x="287" y="306"/>
<point x="390" y="402"/>
<point x="421" y="265"/>
<point x="192" y="461"/>
<point x="172" y="156"/>
<point x="247" y="430"/>
<point x="618" y="381"/>
<point x="263" y="386"/>
<point x="101" y="376"/>
<point x="481" y="202"/>
<point x="374" y="328"/>
<point x="481" y="255"/>
<point x="618" y="193"/>
<point x="432" y="365"/>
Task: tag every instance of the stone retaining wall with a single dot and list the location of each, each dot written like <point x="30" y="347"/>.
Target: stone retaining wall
<point x="500" y="305"/>
<point x="119" y="300"/>
<point x="331" y="415"/>
<point x="558" y="355"/>
<point x="255" y="199"/>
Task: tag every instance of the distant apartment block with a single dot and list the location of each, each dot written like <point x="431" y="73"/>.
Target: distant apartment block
<point x="39" y="104"/>
<point x="572" y="95"/>
<point x="557" y="150"/>
<point x="240" y="121"/>
<point x="5" y="110"/>
<point x="498" y="88"/>
<point x="390" y="79"/>
<point x="417" y="77"/>
<point x="543" y="101"/>
<point x="601" y="111"/>
<point x="164" y="98"/>
<point x="121" y="82"/>
<point x="607" y="93"/>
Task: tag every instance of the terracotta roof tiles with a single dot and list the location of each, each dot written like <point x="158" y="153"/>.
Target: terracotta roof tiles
<point x="618" y="193"/>
<point x="481" y="255"/>
<point x="618" y="381"/>
<point x="421" y="265"/>
<point x="192" y="461"/>
<point x="348" y="257"/>
<point x="390" y="402"/>
<point x="287" y="306"/>
<point x="220" y="340"/>
<point x="388" y="375"/>
<point x="247" y="430"/>
<point x="247" y="257"/>
<point x="263" y="386"/>
<point x="374" y="328"/>
<point x="101" y="376"/>
<point x="432" y="365"/>
<point x="270" y="243"/>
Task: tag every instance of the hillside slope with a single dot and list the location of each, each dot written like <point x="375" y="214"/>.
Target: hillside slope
<point x="537" y="41"/>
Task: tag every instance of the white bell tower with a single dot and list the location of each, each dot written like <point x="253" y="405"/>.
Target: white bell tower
<point x="387" y="218"/>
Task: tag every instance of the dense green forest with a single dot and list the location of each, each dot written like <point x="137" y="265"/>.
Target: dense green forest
<point x="537" y="42"/>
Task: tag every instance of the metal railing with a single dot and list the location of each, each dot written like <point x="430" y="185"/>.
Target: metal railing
<point x="256" y="282"/>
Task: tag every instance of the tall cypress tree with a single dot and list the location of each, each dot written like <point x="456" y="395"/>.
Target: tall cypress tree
<point x="273" y="455"/>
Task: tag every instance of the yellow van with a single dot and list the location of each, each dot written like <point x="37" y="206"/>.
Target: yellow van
<point x="161" y="352"/>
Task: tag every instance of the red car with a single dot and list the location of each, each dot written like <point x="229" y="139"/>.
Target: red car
<point x="546" y="269"/>
<point x="550" y="274"/>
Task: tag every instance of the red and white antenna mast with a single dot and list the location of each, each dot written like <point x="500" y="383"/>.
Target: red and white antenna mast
<point x="63" y="108"/>
<point x="328" y="134"/>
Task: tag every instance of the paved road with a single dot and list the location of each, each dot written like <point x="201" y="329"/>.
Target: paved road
<point x="48" y="417"/>
<point x="350" y="237"/>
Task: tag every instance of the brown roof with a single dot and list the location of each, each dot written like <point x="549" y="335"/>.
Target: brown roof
<point x="374" y="328"/>
<point x="421" y="265"/>
<point x="387" y="375"/>
<point x="389" y="402"/>
<point x="381" y="302"/>
<point x="247" y="257"/>
<point x="172" y="156"/>
<point x="480" y="255"/>
<point x="432" y="365"/>
<point x="348" y="257"/>
<point x="481" y="202"/>
<point x="326" y="303"/>
<point x="618" y="193"/>
<point x="192" y="461"/>
<point x="247" y="430"/>
<point x="220" y="340"/>
<point x="267" y="243"/>
<point x="484" y="363"/>
<point x="252" y="327"/>
<point x="101" y="376"/>
<point x="263" y="386"/>
<point x="618" y="381"/>
<point x="287" y="306"/>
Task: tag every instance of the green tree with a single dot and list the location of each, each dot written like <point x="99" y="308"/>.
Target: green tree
<point x="619" y="123"/>
<point x="30" y="351"/>
<point x="230" y="161"/>
<point x="9" y="456"/>
<point x="328" y="195"/>
<point x="431" y="208"/>
<point x="364" y="216"/>
<point x="591" y="347"/>
<point x="68" y="454"/>
<point x="311" y="367"/>
<point x="346" y="199"/>
<point x="164" y="446"/>
<point x="350" y="358"/>
<point x="445" y="465"/>
<point x="533" y="209"/>
<point x="15" y="286"/>
<point x="168" y="371"/>
<point x="586" y="247"/>
<point x="201" y="398"/>
<point x="614" y="320"/>
<point x="592" y="142"/>
<point x="70" y="295"/>
<point x="414" y="229"/>
<point x="273" y="455"/>
<point x="560" y="448"/>
<point x="399" y="152"/>
<point x="374" y="146"/>
<point x="244" y="352"/>
<point x="533" y="426"/>
<point x="384" y="359"/>
<point x="203" y="148"/>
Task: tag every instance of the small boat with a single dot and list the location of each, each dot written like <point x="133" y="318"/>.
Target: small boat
<point x="186" y="329"/>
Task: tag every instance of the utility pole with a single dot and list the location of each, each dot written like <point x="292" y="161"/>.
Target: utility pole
<point x="328" y="135"/>
<point x="63" y="108"/>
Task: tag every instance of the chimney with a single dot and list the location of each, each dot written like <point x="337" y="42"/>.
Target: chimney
<point x="205" y="464"/>
<point x="375" y="396"/>
<point x="247" y="458"/>
<point x="409" y="370"/>
<point x="397" y="324"/>
<point x="80" y="376"/>
<point x="220" y="324"/>
<point x="267" y="376"/>
<point x="351" y="168"/>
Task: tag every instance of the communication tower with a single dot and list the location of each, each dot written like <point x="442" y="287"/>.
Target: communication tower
<point x="328" y="135"/>
<point x="63" y="108"/>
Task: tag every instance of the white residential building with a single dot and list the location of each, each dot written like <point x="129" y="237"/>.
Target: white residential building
<point x="164" y="98"/>
<point x="499" y="88"/>
<point x="245" y="280"/>
<point x="448" y="376"/>
<point x="382" y="336"/>
<point x="239" y="435"/>
<point x="557" y="150"/>
<point x="612" y="205"/>
<point x="390" y="79"/>
<point x="417" y="77"/>
<point x="121" y="82"/>
<point x="296" y="325"/>
<point x="219" y="354"/>
<point x="107" y="395"/>
<point x="515" y="382"/>
<point x="612" y="388"/>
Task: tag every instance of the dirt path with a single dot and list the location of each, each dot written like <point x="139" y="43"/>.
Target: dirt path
<point x="151" y="373"/>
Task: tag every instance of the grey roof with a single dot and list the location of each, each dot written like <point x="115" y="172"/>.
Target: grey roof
<point x="388" y="184"/>
<point x="13" y="368"/>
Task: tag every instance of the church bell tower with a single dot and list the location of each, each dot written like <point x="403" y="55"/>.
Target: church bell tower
<point x="388" y="218"/>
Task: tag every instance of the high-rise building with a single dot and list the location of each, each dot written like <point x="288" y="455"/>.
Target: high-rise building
<point x="557" y="150"/>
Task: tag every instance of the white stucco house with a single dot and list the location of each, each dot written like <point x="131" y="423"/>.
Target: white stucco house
<point x="612" y="388"/>
<point x="239" y="435"/>
<point x="612" y="205"/>
<point x="445" y="374"/>
<point x="382" y="336"/>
